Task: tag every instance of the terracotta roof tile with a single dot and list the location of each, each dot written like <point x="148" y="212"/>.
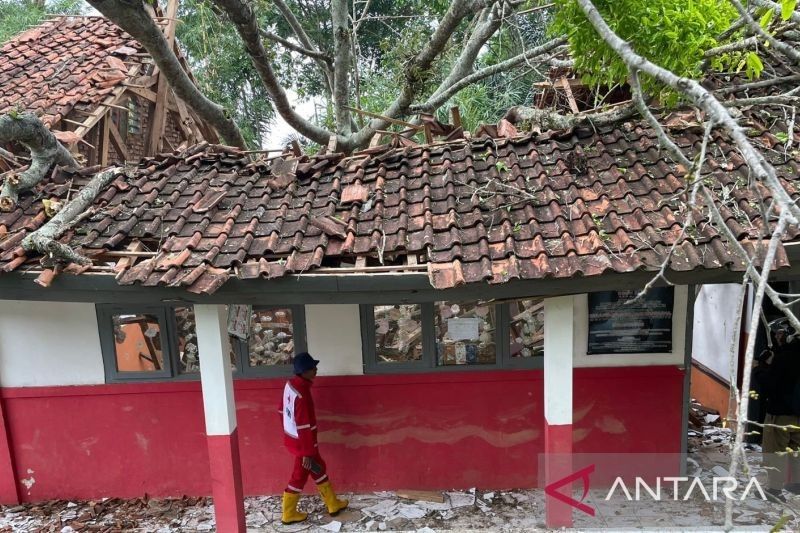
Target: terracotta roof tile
<point x="474" y="211"/>
<point x="65" y="63"/>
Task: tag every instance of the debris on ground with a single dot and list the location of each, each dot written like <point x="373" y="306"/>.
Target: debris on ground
<point x="428" y="511"/>
<point x="701" y="416"/>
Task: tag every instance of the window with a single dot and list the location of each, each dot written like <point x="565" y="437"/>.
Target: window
<point x="465" y="333"/>
<point x="398" y="333"/>
<point x="275" y="335"/>
<point x="160" y="342"/>
<point x="453" y="335"/>
<point x="526" y="328"/>
<point x="134" y="118"/>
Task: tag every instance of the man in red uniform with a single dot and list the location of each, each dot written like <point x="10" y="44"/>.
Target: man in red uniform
<point x="300" y="437"/>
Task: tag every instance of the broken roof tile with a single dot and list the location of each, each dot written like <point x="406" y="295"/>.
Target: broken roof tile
<point x="609" y="218"/>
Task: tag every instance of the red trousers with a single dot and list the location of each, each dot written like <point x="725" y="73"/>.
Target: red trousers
<point x="300" y="474"/>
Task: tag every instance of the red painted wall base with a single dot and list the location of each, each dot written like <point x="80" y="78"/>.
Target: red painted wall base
<point x="558" y="468"/>
<point x="226" y="482"/>
<point x="426" y="431"/>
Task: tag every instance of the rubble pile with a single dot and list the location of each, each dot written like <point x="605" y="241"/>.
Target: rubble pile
<point x="701" y="416"/>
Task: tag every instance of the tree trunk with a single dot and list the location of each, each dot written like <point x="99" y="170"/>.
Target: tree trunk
<point x="45" y="150"/>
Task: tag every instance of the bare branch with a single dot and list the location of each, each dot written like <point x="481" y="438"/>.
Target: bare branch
<point x="439" y="99"/>
<point x="738" y="450"/>
<point x="296" y="47"/>
<point x="45" y="150"/>
<point x="417" y="69"/>
<point x="795" y="17"/>
<point x="45" y="239"/>
<point x="663" y="139"/>
<point x="489" y="21"/>
<point x="756" y="28"/>
<point x="134" y="19"/>
<point x="243" y="17"/>
<point x="305" y="40"/>
<point x="750" y="42"/>
<point x="757" y="84"/>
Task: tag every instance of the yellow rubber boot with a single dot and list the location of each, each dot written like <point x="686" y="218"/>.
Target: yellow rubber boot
<point x="333" y="503"/>
<point x="290" y="512"/>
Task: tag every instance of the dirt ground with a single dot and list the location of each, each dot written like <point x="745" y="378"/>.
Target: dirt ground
<point x="475" y="510"/>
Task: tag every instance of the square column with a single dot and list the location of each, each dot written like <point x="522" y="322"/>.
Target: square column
<point x="220" y="415"/>
<point x="558" y="350"/>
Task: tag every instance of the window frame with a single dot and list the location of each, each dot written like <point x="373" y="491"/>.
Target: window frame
<point x="167" y="323"/>
<point x="428" y="362"/>
<point x="242" y="347"/>
<point x="105" y="314"/>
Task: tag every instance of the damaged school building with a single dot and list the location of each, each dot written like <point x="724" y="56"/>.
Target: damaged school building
<point x="464" y="297"/>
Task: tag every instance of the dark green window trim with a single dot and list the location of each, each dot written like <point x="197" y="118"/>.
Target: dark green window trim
<point x="169" y="338"/>
<point x="428" y="360"/>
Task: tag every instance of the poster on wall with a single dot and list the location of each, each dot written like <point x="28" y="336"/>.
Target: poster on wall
<point x="239" y="321"/>
<point x="620" y="323"/>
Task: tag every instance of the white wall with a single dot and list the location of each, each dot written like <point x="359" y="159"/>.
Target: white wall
<point x="334" y="337"/>
<point x="581" y="338"/>
<point x="49" y="343"/>
<point x="716" y="327"/>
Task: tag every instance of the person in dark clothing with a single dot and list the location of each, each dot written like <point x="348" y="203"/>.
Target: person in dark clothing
<point x="781" y="441"/>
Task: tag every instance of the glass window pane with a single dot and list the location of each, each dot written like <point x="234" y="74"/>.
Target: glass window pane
<point x="398" y="333"/>
<point x="188" y="356"/>
<point x="188" y="349"/>
<point x="465" y="333"/>
<point x="138" y="343"/>
<point x="526" y="328"/>
<point x="271" y="337"/>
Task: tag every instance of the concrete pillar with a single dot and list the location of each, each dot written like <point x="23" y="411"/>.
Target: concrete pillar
<point x="558" y="350"/>
<point x="220" y="414"/>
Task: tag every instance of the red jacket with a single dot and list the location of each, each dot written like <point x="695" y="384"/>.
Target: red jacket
<point x="298" y="418"/>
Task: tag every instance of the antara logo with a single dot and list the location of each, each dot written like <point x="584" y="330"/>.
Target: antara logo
<point x="728" y="486"/>
<point x="582" y="474"/>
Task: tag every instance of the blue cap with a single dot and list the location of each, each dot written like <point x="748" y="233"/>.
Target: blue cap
<point x="303" y="361"/>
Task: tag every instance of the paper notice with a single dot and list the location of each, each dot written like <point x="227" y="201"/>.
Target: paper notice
<point x="463" y="329"/>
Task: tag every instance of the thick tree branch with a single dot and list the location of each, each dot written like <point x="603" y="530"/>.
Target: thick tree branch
<point x="550" y="120"/>
<point x="342" y="61"/>
<point x="789" y="51"/>
<point x="489" y="21"/>
<point x="45" y="150"/>
<point x="438" y="99"/>
<point x="133" y="17"/>
<point x="746" y="44"/>
<point x="45" y="239"/>
<point x="241" y="14"/>
<point x="417" y="70"/>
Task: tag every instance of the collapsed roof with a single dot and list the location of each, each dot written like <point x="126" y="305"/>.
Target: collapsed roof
<point x="560" y="204"/>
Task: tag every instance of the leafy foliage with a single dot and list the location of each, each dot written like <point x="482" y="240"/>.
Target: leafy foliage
<point x="223" y="69"/>
<point x="672" y="33"/>
<point x="17" y="16"/>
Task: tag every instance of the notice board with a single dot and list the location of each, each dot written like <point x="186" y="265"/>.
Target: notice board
<point x="620" y="323"/>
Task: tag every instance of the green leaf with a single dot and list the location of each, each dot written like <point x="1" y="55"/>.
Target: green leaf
<point x="782" y="137"/>
<point x="787" y="8"/>
<point x="754" y="65"/>
<point x="767" y="17"/>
